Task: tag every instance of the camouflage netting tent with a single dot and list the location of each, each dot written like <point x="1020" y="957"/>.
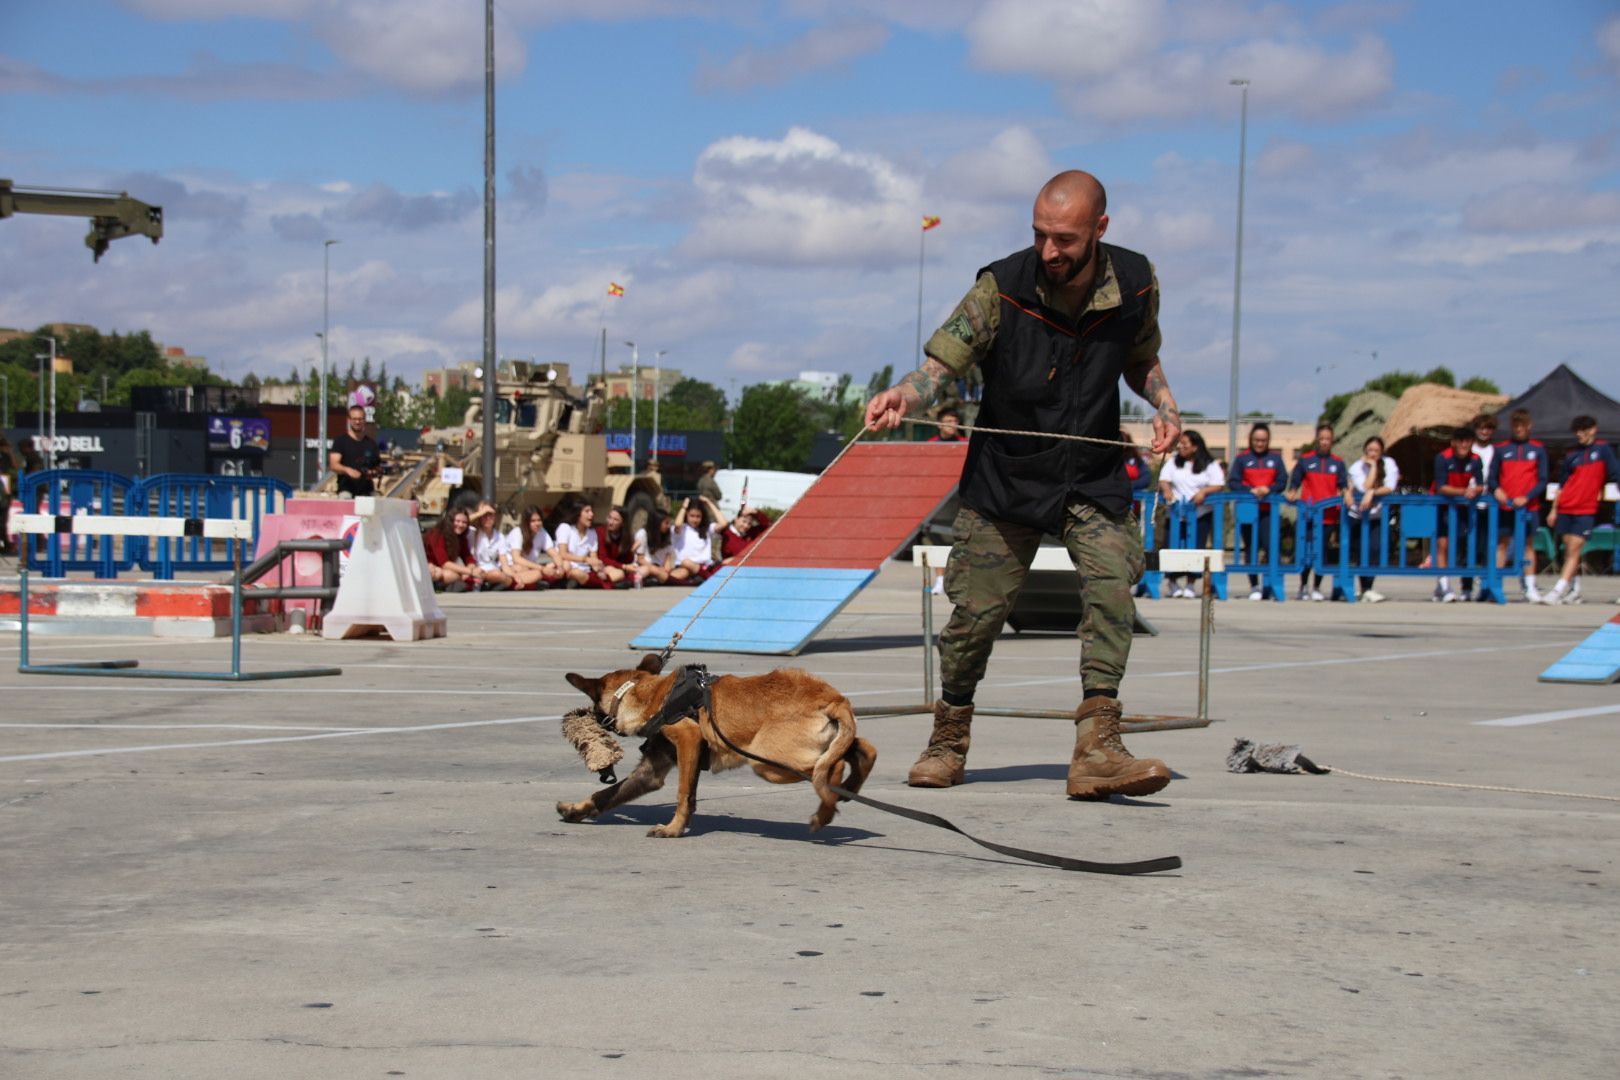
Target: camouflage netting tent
<point x="1558" y="399"/>
<point x="1421" y="425"/>
<point x="1362" y="418"/>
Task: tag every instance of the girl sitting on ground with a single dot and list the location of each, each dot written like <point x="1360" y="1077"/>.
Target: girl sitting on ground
<point x="693" y="538"/>
<point x="489" y="549"/>
<point x="654" y="551"/>
<point x="577" y="546"/>
<point x="533" y="548"/>
<point x="740" y="533"/>
<point x="614" y="543"/>
<point x="449" y="555"/>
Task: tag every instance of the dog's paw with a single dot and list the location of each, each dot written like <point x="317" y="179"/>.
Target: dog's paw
<point x="576" y="811"/>
<point x="667" y="831"/>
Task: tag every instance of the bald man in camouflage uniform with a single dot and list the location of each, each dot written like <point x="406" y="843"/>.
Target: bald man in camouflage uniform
<point x="1052" y="329"/>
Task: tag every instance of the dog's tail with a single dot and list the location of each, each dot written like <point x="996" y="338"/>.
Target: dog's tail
<point x="842" y="716"/>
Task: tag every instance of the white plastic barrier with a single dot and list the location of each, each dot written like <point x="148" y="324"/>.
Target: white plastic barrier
<point x="386" y="585"/>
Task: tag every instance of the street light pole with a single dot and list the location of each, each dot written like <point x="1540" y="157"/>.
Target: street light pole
<point x="635" y="391"/>
<point x="1237" y="275"/>
<point x="326" y="329"/>
<point x="51" y="451"/>
<point x="658" y="386"/>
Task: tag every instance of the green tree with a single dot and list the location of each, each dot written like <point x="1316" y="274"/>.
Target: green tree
<point x="772" y="428"/>
<point x="1479" y="384"/>
<point x="700" y="406"/>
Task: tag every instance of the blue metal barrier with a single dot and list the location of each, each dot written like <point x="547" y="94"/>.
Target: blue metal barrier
<point x="203" y="496"/>
<point x="78" y="491"/>
<point x="1402" y="540"/>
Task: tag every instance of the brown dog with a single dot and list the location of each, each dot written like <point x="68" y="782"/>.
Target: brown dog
<point x="788" y="716"/>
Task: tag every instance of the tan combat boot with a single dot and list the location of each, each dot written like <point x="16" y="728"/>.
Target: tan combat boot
<point x="1101" y="765"/>
<point x="944" y="762"/>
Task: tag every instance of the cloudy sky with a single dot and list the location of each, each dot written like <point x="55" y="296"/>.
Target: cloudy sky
<point x="1430" y="182"/>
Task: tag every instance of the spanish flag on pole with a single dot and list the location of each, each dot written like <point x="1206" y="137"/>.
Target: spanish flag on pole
<point x="929" y="222"/>
<point x="615" y="289"/>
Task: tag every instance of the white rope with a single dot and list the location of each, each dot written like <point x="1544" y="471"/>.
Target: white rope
<point x="1472" y="787"/>
<point x="1037" y="434"/>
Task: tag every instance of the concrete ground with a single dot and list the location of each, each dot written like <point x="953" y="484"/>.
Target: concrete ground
<point x="363" y="875"/>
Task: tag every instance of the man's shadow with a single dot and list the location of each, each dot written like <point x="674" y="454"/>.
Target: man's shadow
<point x="704" y="823"/>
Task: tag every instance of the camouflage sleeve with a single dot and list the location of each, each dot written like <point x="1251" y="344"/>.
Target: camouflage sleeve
<point x="1149" y="340"/>
<point x="967" y="335"/>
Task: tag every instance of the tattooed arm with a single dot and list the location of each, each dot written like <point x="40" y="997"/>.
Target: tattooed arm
<point x="916" y="391"/>
<point x="1146" y="377"/>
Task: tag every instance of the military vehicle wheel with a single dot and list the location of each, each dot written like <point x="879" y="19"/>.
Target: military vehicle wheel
<point x="639" y="511"/>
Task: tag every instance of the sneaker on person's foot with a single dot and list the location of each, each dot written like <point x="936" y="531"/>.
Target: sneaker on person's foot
<point x="1372" y="596"/>
<point x="1304" y="594"/>
<point x="1256" y="594"/>
<point x="1316" y="595"/>
<point x="1533" y="594"/>
<point x="1449" y="597"/>
<point x="1438" y="596"/>
<point x="939" y="586"/>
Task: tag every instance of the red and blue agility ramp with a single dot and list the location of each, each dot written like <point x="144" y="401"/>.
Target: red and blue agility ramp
<point x="822" y="552"/>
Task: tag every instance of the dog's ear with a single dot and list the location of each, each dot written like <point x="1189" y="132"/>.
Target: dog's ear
<point x="651" y="663"/>
<point x="592" y="688"/>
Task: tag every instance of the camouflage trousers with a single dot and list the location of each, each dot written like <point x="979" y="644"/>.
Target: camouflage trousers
<point x="988" y="563"/>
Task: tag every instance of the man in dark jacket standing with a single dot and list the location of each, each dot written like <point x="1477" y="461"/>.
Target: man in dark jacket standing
<point x="1052" y="328"/>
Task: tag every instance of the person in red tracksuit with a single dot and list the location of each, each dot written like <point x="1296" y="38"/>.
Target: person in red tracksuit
<point x="1459" y="474"/>
<point x="1518" y="477"/>
<point x="1319" y="474"/>
<point x="1574" y="511"/>
<point x="1260" y="471"/>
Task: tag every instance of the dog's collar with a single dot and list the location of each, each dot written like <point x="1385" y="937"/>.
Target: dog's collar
<point x="618" y="696"/>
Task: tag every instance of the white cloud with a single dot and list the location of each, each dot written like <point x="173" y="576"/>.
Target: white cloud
<point x="832" y="45"/>
<point x="1013" y="166"/>
<point x="1065" y="40"/>
<point x="1124" y="60"/>
<point x="1297" y="78"/>
<point x="1543" y="208"/>
<point x="1608" y="43"/>
<point x="802" y="199"/>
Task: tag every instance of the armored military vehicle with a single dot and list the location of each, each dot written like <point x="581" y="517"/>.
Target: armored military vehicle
<point x="548" y="443"/>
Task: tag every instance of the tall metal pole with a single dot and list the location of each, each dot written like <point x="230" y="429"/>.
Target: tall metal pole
<point x="303" y="430"/>
<point x="490" y="374"/>
<point x="635" y="392"/>
<point x="326" y="332"/>
<point x="658" y="385"/>
<point x="51" y="461"/>
<point x="39" y="402"/>
<point x="6" y="382"/>
<point x="1237" y="276"/>
<point x="922" y="238"/>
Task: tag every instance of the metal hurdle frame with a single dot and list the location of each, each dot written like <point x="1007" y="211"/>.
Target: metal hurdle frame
<point x="96" y="525"/>
<point x="1204" y="561"/>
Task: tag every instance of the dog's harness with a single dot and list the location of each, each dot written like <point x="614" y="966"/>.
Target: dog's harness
<point x="691" y="693"/>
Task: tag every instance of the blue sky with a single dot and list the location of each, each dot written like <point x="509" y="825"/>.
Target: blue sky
<point x="1433" y="182"/>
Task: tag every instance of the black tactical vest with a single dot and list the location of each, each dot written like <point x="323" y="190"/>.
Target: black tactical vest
<point x="1047" y="372"/>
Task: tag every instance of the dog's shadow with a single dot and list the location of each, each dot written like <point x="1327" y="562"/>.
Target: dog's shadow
<point x="706" y="822"/>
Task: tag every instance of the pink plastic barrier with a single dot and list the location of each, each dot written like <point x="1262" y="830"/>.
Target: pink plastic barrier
<point x="303" y="519"/>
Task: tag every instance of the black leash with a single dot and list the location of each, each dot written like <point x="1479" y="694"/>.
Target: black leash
<point x="693" y="681"/>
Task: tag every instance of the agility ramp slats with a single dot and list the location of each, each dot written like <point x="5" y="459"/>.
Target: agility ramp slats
<point x="862" y="510"/>
<point x="770" y="610"/>
<point x="820" y="554"/>
<point x="1595" y="660"/>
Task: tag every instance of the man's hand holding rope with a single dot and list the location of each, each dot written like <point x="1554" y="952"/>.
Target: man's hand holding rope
<point x="917" y="390"/>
